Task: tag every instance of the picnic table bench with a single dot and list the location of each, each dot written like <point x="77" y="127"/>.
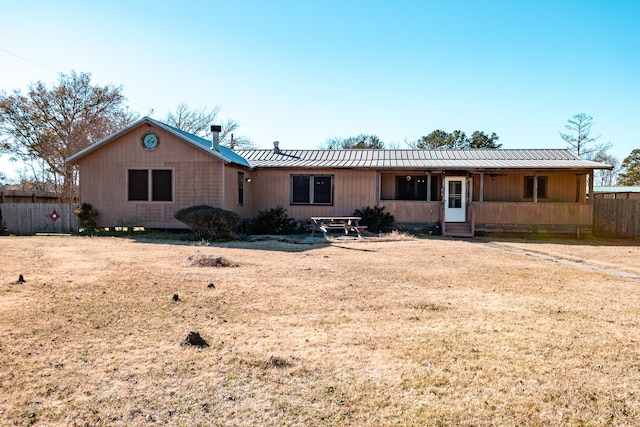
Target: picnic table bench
<point x="340" y="223"/>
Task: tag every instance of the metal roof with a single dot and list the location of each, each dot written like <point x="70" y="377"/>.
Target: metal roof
<point x="420" y="159"/>
<point x="374" y="159"/>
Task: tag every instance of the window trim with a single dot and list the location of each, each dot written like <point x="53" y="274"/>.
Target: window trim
<point x="150" y="185"/>
<point x="311" y="189"/>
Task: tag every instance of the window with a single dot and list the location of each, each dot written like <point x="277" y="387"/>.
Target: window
<point x="138" y="185"/>
<point x="312" y="189"/>
<point x="241" y="188"/>
<point x="415" y="187"/>
<point x="411" y="187"/>
<point x="455" y="194"/>
<point x="161" y="188"/>
<point x="528" y="187"/>
<point x="150" y="185"/>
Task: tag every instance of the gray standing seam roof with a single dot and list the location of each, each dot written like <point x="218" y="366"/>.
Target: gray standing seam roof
<point x="419" y="159"/>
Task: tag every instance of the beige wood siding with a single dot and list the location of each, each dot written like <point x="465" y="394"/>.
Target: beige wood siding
<point x="197" y="178"/>
<point x="562" y="186"/>
<point x="412" y="211"/>
<point x="231" y="194"/>
<point x="533" y="213"/>
<point x="352" y="189"/>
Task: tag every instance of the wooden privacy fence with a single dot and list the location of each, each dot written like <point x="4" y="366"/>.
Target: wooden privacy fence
<point x="616" y="217"/>
<point x="30" y="218"/>
<point x="21" y="196"/>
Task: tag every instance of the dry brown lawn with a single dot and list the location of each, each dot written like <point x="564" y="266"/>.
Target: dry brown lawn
<point x="419" y="332"/>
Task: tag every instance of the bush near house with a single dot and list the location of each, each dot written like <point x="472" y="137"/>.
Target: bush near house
<point x="87" y="216"/>
<point x="209" y="222"/>
<point x="375" y="219"/>
<point x="273" y="221"/>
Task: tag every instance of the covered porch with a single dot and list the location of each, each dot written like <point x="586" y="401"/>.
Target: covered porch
<point x="465" y="202"/>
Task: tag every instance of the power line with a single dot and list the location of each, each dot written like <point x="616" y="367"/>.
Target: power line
<point x="58" y="73"/>
<point x="30" y="61"/>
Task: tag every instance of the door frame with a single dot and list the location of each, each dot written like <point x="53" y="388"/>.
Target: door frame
<point x="457" y="214"/>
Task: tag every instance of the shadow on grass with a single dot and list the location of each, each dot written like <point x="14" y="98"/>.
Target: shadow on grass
<point x="287" y="243"/>
<point x="304" y="242"/>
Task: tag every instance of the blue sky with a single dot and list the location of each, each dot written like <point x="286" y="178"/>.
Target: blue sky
<point x="301" y="72"/>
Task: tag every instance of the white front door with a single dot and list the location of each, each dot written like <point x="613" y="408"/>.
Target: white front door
<point x="455" y="196"/>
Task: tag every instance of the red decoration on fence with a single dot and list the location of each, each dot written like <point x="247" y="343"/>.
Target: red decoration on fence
<point x="54" y="215"/>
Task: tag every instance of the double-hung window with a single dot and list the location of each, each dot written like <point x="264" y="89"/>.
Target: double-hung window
<point x="312" y="189"/>
<point x="150" y="185"/>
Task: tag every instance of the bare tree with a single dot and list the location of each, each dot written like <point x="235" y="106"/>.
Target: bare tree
<point x="46" y="126"/>
<point x="580" y="140"/>
<point x="606" y="177"/>
<point x="198" y="121"/>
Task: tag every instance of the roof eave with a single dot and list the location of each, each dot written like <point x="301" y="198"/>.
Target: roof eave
<point x="104" y="141"/>
<point x="161" y="125"/>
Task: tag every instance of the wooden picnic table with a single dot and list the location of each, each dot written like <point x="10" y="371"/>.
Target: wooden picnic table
<point x="341" y="223"/>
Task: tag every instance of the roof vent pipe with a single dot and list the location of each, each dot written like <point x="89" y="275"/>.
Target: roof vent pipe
<point x="215" y="135"/>
<point x="276" y="147"/>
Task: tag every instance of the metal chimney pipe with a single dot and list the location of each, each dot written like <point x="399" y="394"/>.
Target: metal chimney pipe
<point x="276" y="147"/>
<point x="215" y="133"/>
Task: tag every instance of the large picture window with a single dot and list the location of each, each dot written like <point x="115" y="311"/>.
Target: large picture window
<point x="414" y="187"/>
<point x="411" y="187"/>
<point x="312" y="189"/>
<point x="150" y="185"/>
<point x="528" y="187"/>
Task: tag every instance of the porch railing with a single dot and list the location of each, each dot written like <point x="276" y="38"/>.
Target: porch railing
<point x="522" y="213"/>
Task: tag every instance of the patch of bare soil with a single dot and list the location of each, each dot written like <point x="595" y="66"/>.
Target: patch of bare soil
<point x="201" y="260"/>
<point x="418" y="332"/>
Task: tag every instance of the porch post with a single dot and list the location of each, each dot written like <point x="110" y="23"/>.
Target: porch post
<point x="579" y="188"/>
<point x="428" y="186"/>
<point x="591" y="187"/>
<point x="535" y="187"/>
<point x="378" y="178"/>
<point x="481" y="195"/>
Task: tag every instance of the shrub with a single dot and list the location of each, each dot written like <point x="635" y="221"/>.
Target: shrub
<point x="209" y="222"/>
<point x="87" y="216"/>
<point x="274" y="221"/>
<point x="375" y="219"/>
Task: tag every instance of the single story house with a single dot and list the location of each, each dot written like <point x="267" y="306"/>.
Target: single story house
<point x="143" y="174"/>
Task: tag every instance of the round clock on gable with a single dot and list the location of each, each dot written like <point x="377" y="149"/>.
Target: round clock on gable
<point x="150" y="141"/>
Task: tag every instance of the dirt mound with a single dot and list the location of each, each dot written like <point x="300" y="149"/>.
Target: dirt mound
<point x="195" y="339"/>
<point x="201" y="260"/>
